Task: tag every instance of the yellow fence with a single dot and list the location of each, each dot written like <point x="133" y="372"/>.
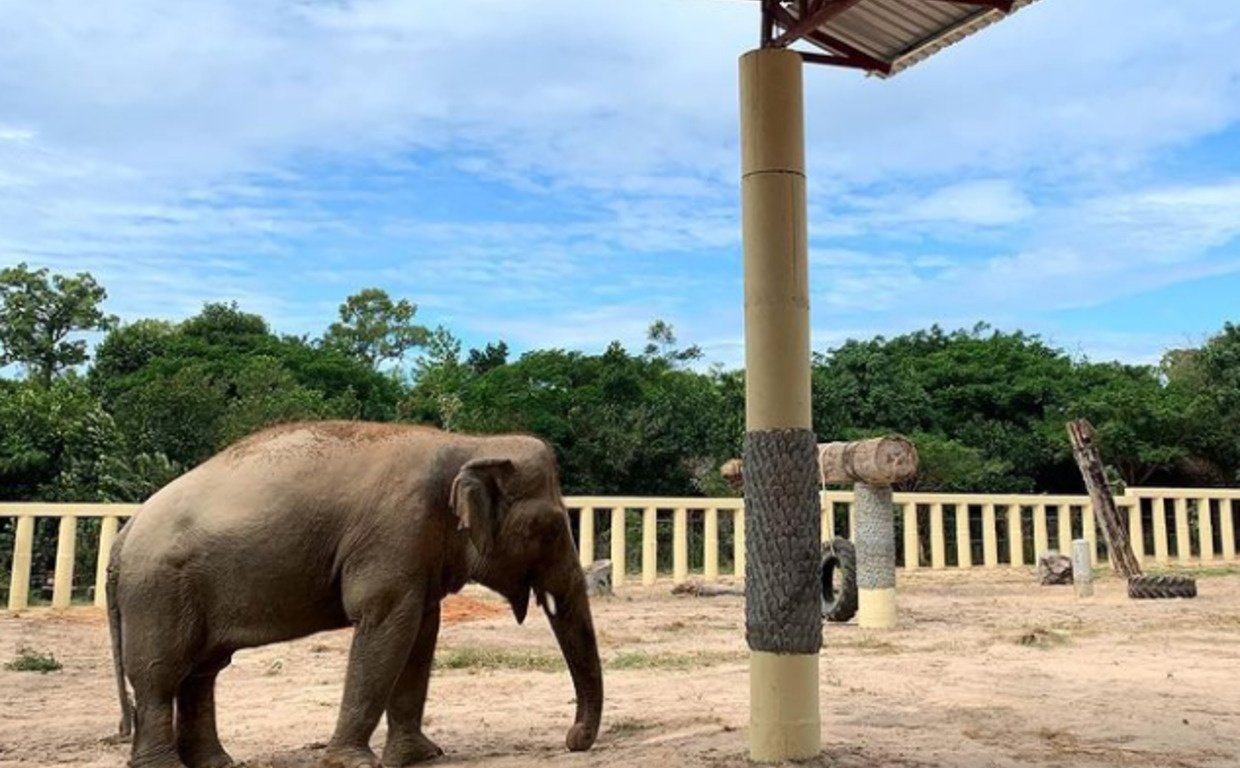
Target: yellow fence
<point x="936" y="531"/>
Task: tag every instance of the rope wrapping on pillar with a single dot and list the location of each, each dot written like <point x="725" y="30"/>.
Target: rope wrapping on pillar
<point x="876" y="537"/>
<point x="783" y="580"/>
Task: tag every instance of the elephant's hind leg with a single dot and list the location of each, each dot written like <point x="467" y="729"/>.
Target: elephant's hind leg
<point x="406" y="744"/>
<point x="154" y="744"/>
<point x="198" y="742"/>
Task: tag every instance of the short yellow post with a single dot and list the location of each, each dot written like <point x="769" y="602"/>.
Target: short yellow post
<point x="912" y="544"/>
<point x="1162" y="547"/>
<point x="617" y="546"/>
<point x="710" y="544"/>
<point x="650" y="545"/>
<point x="785" y="723"/>
<point x="828" y="516"/>
<point x="990" y="537"/>
<point x="19" y="581"/>
<point x="852" y="520"/>
<point x="107" y="534"/>
<point x="1205" y="529"/>
<point x="585" y="531"/>
<point x="938" y="540"/>
<point x="1016" y="537"/>
<point x="1183" y="547"/>
<point x="680" y="545"/>
<point x="66" y="548"/>
<point x="964" y="537"/>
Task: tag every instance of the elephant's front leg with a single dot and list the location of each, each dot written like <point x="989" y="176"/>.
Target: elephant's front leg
<point x="384" y="632"/>
<point x="406" y="744"/>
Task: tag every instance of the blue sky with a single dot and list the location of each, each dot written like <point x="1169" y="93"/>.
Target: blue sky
<point x="561" y="173"/>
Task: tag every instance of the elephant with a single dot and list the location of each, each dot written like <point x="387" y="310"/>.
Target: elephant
<point x="315" y="526"/>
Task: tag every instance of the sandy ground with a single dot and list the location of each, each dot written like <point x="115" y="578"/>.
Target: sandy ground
<point x="985" y="670"/>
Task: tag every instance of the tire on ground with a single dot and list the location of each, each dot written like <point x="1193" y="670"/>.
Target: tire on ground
<point x="839" y="556"/>
<point x="1154" y="587"/>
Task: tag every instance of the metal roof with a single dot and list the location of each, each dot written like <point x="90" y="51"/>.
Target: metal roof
<point x="882" y="37"/>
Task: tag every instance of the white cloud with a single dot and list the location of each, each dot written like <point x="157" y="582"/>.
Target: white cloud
<point x="203" y="149"/>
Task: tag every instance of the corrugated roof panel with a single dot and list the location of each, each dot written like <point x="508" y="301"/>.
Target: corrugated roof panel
<point x="904" y="32"/>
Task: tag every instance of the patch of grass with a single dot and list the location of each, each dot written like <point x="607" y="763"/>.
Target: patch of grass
<point x="628" y="726"/>
<point x="1042" y="638"/>
<point x="30" y="660"/>
<point x="494" y="658"/>
<point x="865" y="643"/>
<point x="673" y="661"/>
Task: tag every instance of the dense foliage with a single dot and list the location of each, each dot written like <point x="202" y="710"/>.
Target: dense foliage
<point x="986" y="408"/>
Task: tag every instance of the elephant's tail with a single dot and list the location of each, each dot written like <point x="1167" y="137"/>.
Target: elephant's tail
<point x="114" y="625"/>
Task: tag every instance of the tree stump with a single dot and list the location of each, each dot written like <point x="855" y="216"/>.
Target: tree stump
<point x="879" y="461"/>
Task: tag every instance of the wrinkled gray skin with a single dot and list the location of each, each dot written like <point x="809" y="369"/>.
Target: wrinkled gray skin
<point x="311" y="527"/>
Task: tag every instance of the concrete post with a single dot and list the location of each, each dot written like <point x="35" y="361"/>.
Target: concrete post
<point x="66" y="546"/>
<point x="876" y="557"/>
<point x="1082" y="568"/>
<point x="617" y="546"/>
<point x="107" y="534"/>
<point x="783" y="623"/>
<point x="19" y="580"/>
<point x="585" y="531"/>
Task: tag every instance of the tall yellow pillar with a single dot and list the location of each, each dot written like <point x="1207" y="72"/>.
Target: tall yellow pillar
<point x="785" y="723"/>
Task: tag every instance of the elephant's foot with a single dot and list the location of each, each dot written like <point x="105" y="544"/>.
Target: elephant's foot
<point x="349" y="757"/>
<point x="208" y="758"/>
<point x="409" y="749"/>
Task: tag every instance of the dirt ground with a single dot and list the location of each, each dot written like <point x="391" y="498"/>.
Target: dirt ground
<point x="985" y="670"/>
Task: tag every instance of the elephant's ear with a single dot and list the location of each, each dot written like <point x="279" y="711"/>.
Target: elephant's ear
<point x="477" y="497"/>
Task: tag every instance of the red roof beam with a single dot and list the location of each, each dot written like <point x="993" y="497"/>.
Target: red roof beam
<point x="998" y="5"/>
<point x="819" y="15"/>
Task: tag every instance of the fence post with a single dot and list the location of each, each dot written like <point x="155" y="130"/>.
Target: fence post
<point x="827" y="508"/>
<point x="650" y="545"/>
<point x="1016" y="536"/>
<point x="1205" y="529"/>
<point x="1162" y="545"/>
<point x="23" y="548"/>
<point x="1136" y="529"/>
<point x="710" y="544"/>
<point x="738" y="542"/>
<point x="964" y="537"/>
<point x="585" y="532"/>
<point x="1183" y="545"/>
<point x="1228" y="528"/>
<point x="617" y="546"/>
<point x="107" y="534"/>
<point x="990" y="537"/>
<point x="1063" y="522"/>
<point x="912" y="544"/>
<point x="680" y="545"/>
<point x="938" y="545"/>
<point x="66" y="546"/>
<point x="1089" y="530"/>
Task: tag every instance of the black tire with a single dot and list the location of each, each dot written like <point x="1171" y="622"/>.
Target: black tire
<point x="1161" y="587"/>
<point x="839" y="559"/>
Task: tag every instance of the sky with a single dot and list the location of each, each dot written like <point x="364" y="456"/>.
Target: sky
<point x="561" y="173"/>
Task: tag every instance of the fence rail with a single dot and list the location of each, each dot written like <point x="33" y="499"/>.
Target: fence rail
<point x="707" y="539"/>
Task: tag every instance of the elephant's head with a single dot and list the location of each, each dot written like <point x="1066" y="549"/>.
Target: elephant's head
<point x="508" y="498"/>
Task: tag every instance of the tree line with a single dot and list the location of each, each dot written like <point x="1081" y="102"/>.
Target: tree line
<point x="986" y="408"/>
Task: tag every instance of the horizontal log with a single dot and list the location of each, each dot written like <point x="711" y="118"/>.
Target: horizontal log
<point x="878" y="461"/>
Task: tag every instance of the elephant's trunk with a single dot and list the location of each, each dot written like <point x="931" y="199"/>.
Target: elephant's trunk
<point x="568" y="609"/>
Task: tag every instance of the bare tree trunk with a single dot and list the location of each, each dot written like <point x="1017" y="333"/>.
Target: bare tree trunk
<point x="1085" y="450"/>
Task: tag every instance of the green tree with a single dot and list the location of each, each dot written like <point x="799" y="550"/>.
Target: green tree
<point x="374" y="329"/>
<point x="39" y="312"/>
